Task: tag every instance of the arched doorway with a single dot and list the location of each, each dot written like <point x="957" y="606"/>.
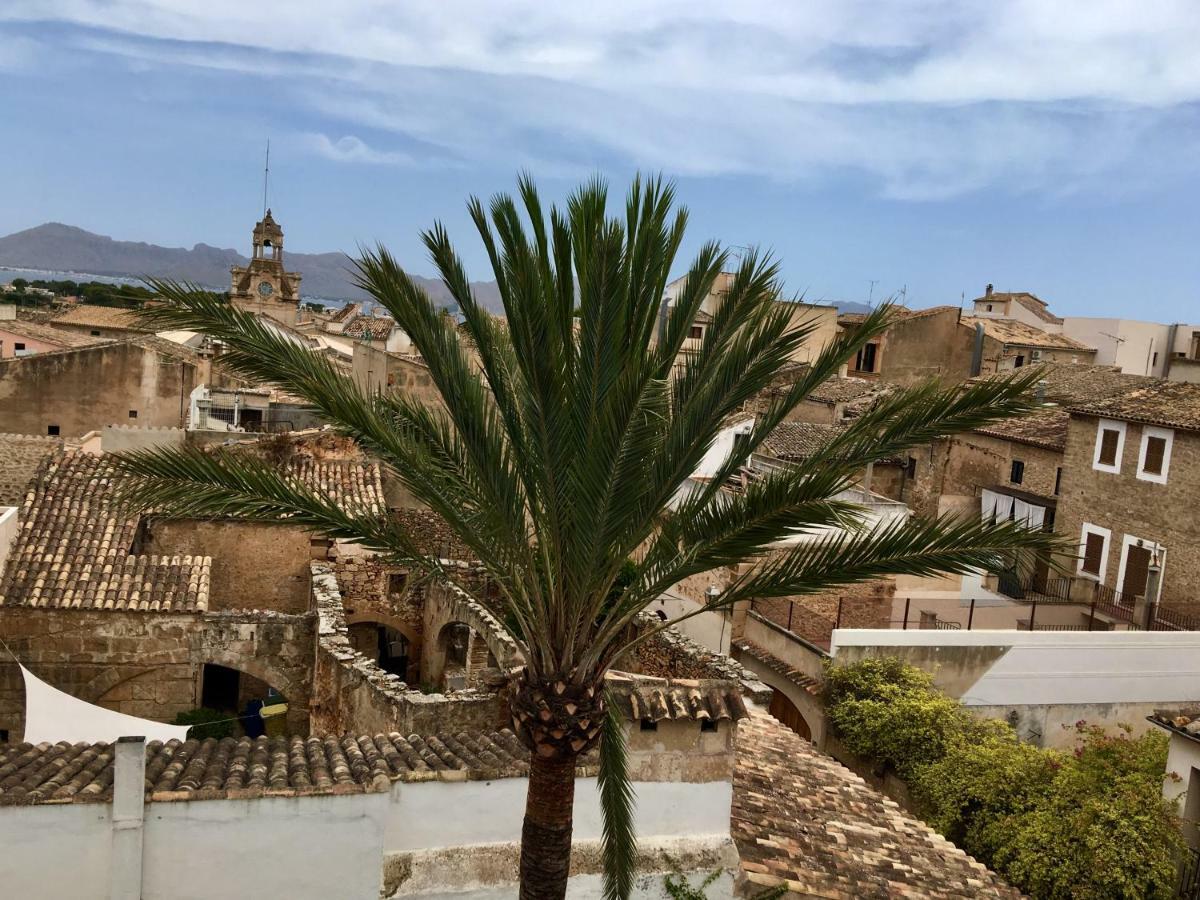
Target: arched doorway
<point x="387" y="647"/>
<point x="458" y="658"/>
<point x="261" y="708"/>
<point x="786" y="712"/>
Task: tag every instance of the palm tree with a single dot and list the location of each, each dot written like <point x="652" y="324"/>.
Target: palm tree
<point x="562" y="450"/>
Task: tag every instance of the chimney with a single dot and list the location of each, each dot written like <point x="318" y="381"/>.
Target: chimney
<point x="1040" y="392"/>
<point x="987" y="291"/>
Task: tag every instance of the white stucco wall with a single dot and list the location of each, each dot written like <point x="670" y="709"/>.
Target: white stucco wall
<point x="490" y="812"/>
<point x="1127" y="343"/>
<point x="1061" y="667"/>
<point x="1183" y="762"/>
<point x="55" y="851"/>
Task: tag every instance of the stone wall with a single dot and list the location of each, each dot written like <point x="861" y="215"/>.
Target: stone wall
<point x="670" y="654"/>
<point x="1165" y="513"/>
<point x="86" y="389"/>
<point x="149" y="664"/>
<point x="374" y="369"/>
<point x="350" y="693"/>
<point x="432" y="534"/>
<point x="254" y="566"/>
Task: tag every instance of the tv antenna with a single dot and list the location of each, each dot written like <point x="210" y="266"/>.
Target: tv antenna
<point x="266" y="175"/>
<point x="1119" y="340"/>
<point x="871" y="292"/>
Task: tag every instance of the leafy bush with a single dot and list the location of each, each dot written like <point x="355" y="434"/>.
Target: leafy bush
<point x="206" y="723"/>
<point x="889" y="712"/>
<point x="1060" y="826"/>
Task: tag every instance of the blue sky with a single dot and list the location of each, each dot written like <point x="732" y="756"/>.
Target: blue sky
<point x="1051" y="147"/>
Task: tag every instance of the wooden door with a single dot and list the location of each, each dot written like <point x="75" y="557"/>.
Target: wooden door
<point x="1137" y="569"/>
<point x="785" y="711"/>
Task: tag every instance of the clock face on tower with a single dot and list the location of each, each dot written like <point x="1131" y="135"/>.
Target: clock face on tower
<point x="265" y="289"/>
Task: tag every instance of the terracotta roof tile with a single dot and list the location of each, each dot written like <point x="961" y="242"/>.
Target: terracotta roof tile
<point x="1175" y="404"/>
<point x="802" y="819"/>
<point x="87" y="315"/>
<point x="345" y="312"/>
<point x="843" y="390"/>
<point x="230" y="767"/>
<point x="1185" y="720"/>
<point x="20" y="457"/>
<point x="370" y="328"/>
<point x="798" y="440"/>
<point x="641" y="697"/>
<point x="775" y="664"/>
<point x="1011" y="331"/>
<point x="60" y="337"/>
<point x="74" y="548"/>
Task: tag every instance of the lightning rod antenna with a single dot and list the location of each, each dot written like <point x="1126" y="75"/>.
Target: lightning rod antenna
<point x="266" y="175"/>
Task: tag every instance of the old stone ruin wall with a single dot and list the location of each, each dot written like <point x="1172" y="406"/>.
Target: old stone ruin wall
<point x="351" y="693"/>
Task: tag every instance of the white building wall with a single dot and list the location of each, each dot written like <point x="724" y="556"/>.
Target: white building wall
<point x="55" y="851"/>
<point x="1126" y="343"/>
<point x="8" y="532"/>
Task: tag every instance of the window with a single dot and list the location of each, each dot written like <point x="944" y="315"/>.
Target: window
<point x="696" y="332"/>
<point x="397" y="582"/>
<point x="708" y="725"/>
<point x="18" y="346"/>
<point x="1093" y="551"/>
<point x="1139" y="558"/>
<point x="1019" y="361"/>
<point x="912" y="467"/>
<point x="1110" y="443"/>
<point x="133" y="414"/>
<point x="865" y="361"/>
<point x="95" y="333"/>
<point x="1154" y="359"/>
<point x="1017" y="475"/>
<point x="1155" y="456"/>
<point x="3" y="735"/>
<point x="52" y="430"/>
<point x="1057" y="480"/>
<point x="989" y="307"/>
<point x="649" y="725"/>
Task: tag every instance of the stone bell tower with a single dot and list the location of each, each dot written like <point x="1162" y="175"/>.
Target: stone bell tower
<point x="264" y="286"/>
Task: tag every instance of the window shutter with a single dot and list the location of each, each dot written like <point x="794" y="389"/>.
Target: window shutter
<point x="1108" y="446"/>
<point x="1156" y="449"/>
<point x="1093" y="549"/>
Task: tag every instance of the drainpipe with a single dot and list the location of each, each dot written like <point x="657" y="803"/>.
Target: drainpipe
<point x="977" y="351"/>
<point x="1169" y="351"/>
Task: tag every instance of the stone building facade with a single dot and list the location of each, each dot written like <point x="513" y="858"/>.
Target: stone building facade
<point x="1127" y="520"/>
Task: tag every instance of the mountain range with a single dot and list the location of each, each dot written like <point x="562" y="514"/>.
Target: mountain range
<point x="64" y="248"/>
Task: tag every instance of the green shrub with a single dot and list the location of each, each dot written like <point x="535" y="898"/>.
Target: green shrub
<point x="1088" y="825"/>
<point x="206" y="723"/>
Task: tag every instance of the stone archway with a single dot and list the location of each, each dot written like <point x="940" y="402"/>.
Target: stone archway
<point x="456" y="658"/>
<point x="786" y="712"/>
<point x="412" y="673"/>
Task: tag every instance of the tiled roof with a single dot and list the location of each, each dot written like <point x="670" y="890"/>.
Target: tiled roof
<point x="356" y="487"/>
<point x="344" y="313"/>
<point x="777" y="665"/>
<point x="843" y="390"/>
<point x="1185" y="721"/>
<point x="798" y="440"/>
<point x="74" y="548"/>
<point x="374" y="328"/>
<point x="1010" y="331"/>
<point x="87" y="315"/>
<point x="60" y="337"/>
<point x="641" y="697"/>
<point x="20" y="456"/>
<point x="244" y="767"/>
<point x="803" y="820"/>
<point x="1175" y="404"/>
<point x="1031" y="302"/>
<point x="1066" y="385"/>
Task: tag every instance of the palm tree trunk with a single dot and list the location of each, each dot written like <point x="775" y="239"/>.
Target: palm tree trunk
<point x="546" y="834"/>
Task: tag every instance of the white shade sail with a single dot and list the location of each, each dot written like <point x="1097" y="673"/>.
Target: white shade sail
<point x="52" y="716"/>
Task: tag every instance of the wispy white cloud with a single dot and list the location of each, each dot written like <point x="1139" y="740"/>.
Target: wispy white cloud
<point x="929" y="97"/>
<point x="350" y="149"/>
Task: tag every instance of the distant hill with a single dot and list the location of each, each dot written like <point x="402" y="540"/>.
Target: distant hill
<point x="65" y="248"/>
<point x="851" y="306"/>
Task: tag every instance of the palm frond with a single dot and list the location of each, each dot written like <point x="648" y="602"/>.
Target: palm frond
<point x="618" y="843"/>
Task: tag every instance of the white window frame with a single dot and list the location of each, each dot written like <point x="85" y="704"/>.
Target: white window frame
<point x="1109" y="425"/>
<point x="1106" y="533"/>
<point x="1130" y="540"/>
<point x="1168" y="435"/>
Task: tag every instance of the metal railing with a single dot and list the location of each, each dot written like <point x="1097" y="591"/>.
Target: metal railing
<point x="1189" y="875"/>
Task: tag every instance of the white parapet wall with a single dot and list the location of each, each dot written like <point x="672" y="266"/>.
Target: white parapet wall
<point x="1046" y="681"/>
<point x="8" y="532"/>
